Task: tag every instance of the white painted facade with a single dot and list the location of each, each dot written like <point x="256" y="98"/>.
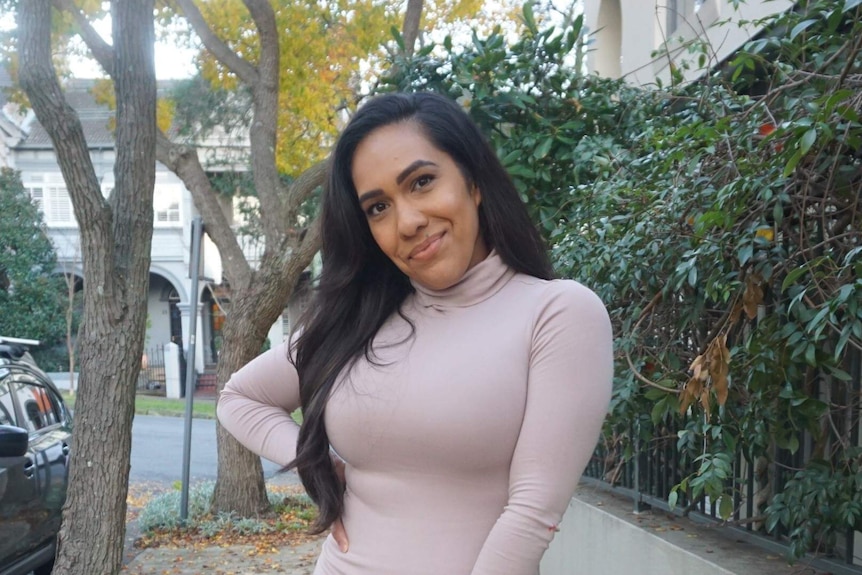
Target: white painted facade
<point x="170" y="302"/>
<point x="639" y="39"/>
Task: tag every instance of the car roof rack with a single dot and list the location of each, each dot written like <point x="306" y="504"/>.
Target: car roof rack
<point x="20" y="341"/>
<point x="15" y="347"/>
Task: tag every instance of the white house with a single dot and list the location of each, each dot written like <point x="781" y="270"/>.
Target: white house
<point x="639" y="39"/>
<point x="170" y="304"/>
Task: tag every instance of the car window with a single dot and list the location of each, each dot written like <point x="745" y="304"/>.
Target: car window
<point x="7" y="410"/>
<point x="58" y="407"/>
<point x="39" y="408"/>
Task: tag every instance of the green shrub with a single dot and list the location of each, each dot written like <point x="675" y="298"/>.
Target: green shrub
<point x="721" y="223"/>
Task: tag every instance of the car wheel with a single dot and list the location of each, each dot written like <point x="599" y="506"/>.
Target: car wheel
<point x="44" y="569"/>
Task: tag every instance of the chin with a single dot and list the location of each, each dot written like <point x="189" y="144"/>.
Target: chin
<point x="439" y="281"/>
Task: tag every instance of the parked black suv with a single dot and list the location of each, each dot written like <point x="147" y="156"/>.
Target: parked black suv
<point x="35" y="432"/>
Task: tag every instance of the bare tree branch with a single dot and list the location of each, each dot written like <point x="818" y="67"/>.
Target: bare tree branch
<point x="300" y="257"/>
<point x="101" y="50"/>
<point x="302" y="187"/>
<point x="135" y="136"/>
<point x="264" y="19"/>
<point x="39" y="80"/>
<point x="222" y="52"/>
<point x="184" y="162"/>
<point x="180" y="159"/>
<point x="263" y="131"/>
<point x="410" y="31"/>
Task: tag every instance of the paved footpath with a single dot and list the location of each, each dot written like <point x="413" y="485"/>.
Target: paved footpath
<point x="215" y="559"/>
<point x="228" y="560"/>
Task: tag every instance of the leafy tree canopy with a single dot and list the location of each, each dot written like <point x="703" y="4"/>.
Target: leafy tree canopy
<point x="546" y="119"/>
<point x="323" y="51"/>
<point x="31" y="299"/>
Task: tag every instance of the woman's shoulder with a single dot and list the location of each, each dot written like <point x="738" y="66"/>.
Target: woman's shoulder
<point x="558" y="301"/>
<point x="564" y="290"/>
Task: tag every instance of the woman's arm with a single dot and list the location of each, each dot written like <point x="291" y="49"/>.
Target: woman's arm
<point x="256" y="403"/>
<point x="568" y="392"/>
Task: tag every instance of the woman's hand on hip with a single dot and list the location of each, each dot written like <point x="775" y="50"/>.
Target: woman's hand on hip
<point x="338" y="532"/>
<point x="340" y="535"/>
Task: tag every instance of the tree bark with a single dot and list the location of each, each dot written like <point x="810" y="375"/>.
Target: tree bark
<point x="410" y="31"/>
<point x="258" y="296"/>
<point x="115" y="247"/>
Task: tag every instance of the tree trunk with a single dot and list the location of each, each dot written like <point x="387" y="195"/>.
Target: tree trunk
<point x="254" y="308"/>
<point x="240" y="486"/>
<point x="257" y="297"/>
<point x="115" y="247"/>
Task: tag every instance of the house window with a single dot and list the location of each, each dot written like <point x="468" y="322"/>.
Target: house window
<point x="166" y="205"/>
<point x="168" y="214"/>
<point x="54" y="203"/>
<point x="672" y="11"/>
<point x="681" y="12"/>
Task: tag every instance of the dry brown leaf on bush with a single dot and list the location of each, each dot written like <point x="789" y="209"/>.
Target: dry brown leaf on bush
<point x="691" y="392"/>
<point x="697" y="368"/>
<point x="719" y="367"/>
<point x="709" y="372"/>
<point x="752" y="297"/>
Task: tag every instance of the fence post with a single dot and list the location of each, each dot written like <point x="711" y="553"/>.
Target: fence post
<point x="639" y="506"/>
<point x="172" y="370"/>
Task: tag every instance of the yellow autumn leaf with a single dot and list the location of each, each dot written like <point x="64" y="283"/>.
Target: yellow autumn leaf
<point x="766" y="234"/>
<point x="164" y="114"/>
<point x="324" y="51"/>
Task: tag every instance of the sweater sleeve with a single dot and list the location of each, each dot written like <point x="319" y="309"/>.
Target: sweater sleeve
<point x="256" y="403"/>
<point x="568" y="393"/>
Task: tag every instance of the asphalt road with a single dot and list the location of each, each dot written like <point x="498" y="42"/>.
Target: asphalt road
<point x="157" y="450"/>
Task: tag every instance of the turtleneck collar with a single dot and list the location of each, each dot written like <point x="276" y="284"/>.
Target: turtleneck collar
<point x="479" y="283"/>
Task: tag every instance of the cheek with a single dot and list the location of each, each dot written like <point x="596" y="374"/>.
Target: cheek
<point x="384" y="238"/>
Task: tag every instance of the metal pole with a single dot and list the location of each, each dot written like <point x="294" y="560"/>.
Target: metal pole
<point x="197" y="232"/>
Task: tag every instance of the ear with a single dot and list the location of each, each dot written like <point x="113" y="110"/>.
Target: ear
<point x="476" y="194"/>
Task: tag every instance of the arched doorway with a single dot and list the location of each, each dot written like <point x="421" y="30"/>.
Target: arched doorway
<point x="164" y="320"/>
<point x="213" y="316"/>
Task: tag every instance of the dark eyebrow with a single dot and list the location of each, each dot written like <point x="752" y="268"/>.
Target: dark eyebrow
<point x="399" y="179"/>
<point x="369" y="195"/>
<point x="412" y="168"/>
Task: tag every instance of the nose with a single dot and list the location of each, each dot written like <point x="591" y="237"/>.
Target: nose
<point x="411" y="219"/>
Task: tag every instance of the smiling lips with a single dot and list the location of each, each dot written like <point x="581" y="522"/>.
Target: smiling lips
<point x="427" y="249"/>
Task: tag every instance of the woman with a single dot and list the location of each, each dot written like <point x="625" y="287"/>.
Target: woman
<point x="462" y="386"/>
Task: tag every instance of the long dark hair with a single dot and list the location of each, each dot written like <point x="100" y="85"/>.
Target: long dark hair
<point x="360" y="287"/>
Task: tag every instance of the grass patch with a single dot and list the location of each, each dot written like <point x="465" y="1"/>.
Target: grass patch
<point x="155" y="405"/>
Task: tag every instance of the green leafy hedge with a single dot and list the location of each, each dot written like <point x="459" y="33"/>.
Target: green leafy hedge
<point x="31" y="298"/>
<point x="720" y="222"/>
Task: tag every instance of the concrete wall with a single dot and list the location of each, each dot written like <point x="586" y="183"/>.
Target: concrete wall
<point x="642" y="30"/>
<point x="600" y="535"/>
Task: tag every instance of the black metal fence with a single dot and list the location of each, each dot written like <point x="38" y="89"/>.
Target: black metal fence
<point x="650" y="472"/>
<point x="151" y="380"/>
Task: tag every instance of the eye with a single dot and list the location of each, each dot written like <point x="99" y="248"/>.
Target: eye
<point x="422" y="181"/>
<point x="375" y="209"/>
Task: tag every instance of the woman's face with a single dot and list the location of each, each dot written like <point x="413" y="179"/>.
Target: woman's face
<point x="422" y="212"/>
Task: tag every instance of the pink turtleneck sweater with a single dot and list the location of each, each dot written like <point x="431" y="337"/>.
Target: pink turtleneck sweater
<point x="465" y="443"/>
